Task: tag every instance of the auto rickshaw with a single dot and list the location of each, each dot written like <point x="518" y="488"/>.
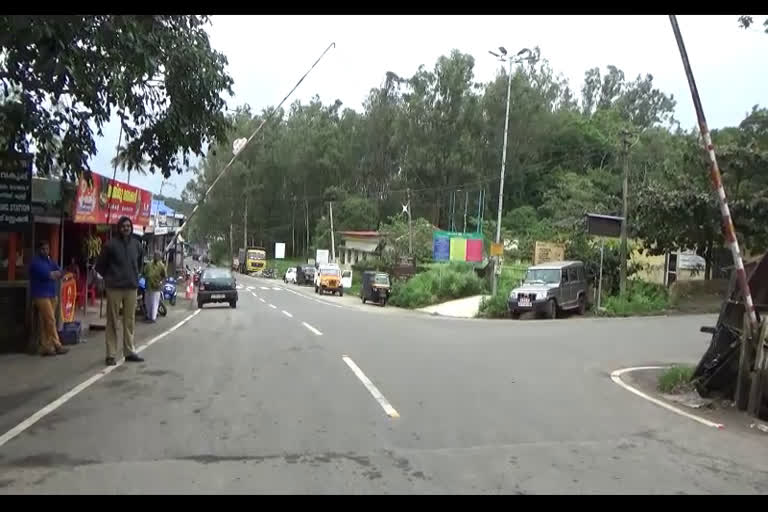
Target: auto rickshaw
<point x="375" y="287"/>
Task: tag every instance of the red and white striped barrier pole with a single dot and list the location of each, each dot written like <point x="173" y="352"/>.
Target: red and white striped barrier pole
<point x="717" y="182"/>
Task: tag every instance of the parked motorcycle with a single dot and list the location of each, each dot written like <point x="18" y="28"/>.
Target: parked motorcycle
<point x="169" y="290"/>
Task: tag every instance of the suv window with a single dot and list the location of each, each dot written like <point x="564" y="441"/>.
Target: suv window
<point x="564" y="278"/>
<point x="572" y="274"/>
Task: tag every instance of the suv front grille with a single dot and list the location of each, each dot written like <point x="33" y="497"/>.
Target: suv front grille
<point x="531" y="296"/>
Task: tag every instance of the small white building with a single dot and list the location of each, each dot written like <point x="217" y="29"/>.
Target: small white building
<point x="358" y="246"/>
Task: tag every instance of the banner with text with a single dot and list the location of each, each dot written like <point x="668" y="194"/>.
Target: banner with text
<point x="94" y="201"/>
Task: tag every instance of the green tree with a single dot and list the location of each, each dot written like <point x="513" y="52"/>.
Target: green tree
<point x="159" y="74"/>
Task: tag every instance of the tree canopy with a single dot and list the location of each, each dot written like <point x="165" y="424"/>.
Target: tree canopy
<point x="63" y="76"/>
<point x="436" y="138"/>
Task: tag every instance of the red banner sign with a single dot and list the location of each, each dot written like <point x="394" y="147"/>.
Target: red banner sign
<point x="93" y="202"/>
<point x="68" y="297"/>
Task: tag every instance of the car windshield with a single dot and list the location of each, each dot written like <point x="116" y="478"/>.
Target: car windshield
<point x="217" y="273"/>
<point x="382" y="279"/>
<point x="330" y="271"/>
<point x="256" y="255"/>
<point x="543" y="275"/>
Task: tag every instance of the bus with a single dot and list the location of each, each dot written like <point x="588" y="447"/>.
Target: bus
<point x="252" y="259"/>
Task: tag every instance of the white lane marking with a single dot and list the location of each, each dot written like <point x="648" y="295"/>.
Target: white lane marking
<point x="305" y="324"/>
<point x="276" y="288"/>
<point x="616" y="377"/>
<point x="254" y="294"/>
<point x="287" y="314"/>
<point x="250" y="288"/>
<point x="273" y="306"/>
<point x="240" y="287"/>
<point x="262" y="300"/>
<point x="383" y="402"/>
<point x="263" y="287"/>
<point x="48" y="409"/>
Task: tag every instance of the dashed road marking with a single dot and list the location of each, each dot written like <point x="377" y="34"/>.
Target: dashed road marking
<point x="273" y="306"/>
<point x="287" y="314"/>
<point x="305" y="324"/>
<point x="377" y="395"/>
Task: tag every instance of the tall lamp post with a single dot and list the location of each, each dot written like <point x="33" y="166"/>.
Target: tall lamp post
<point x="502" y="57"/>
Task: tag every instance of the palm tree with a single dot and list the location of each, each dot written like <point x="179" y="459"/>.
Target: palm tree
<point x="124" y="163"/>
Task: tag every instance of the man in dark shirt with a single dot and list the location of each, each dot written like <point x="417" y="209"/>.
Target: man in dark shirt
<point x="43" y="274"/>
<point x="119" y="263"/>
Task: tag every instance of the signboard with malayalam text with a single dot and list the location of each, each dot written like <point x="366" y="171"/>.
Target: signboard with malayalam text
<point x="15" y="192"/>
<point x="94" y="201"/>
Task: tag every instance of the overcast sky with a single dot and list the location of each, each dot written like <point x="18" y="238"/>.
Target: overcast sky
<point x="268" y="54"/>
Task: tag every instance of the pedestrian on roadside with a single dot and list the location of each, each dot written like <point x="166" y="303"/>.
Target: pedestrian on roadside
<point x="119" y="263"/>
<point x="43" y="274"/>
<point x="155" y="273"/>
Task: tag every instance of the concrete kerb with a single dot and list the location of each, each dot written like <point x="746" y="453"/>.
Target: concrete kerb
<point x="616" y="378"/>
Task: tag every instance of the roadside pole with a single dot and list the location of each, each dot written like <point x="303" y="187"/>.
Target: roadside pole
<point x="625" y="186"/>
<point x="333" y="244"/>
<point x="600" y="279"/>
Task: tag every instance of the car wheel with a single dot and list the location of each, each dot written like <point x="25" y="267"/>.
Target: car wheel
<point x="233" y="304"/>
<point x="341" y="293"/>
<point x="515" y="315"/>
<point x="199" y="305"/>
<point x="551" y="309"/>
<point x="316" y="290"/>
<point x="582" y="308"/>
<point x="363" y="299"/>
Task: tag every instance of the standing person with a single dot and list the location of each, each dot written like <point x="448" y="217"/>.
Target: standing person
<point x="43" y="274"/>
<point x="119" y="263"/>
<point x="155" y="273"/>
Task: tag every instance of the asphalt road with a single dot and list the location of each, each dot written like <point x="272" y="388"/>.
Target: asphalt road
<point x="259" y="400"/>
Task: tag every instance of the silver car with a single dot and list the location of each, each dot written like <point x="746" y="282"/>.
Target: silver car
<point x="549" y="288"/>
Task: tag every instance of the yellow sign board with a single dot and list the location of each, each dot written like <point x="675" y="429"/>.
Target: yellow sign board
<point x="548" y="251"/>
<point x="497" y="249"/>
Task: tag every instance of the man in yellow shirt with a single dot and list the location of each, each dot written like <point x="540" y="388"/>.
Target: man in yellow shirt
<point x="155" y="274"/>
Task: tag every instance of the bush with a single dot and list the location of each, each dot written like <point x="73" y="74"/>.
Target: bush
<point x="439" y="284"/>
<point x="676" y="379"/>
<point x="641" y="298"/>
<point x="494" y="306"/>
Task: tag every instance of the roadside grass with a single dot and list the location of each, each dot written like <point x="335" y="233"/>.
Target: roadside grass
<point x="641" y="298"/>
<point x="676" y="379"/>
<point x="440" y="283"/>
<point x="495" y="306"/>
<point x="281" y="266"/>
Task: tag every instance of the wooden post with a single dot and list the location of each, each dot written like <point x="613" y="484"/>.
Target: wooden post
<point x="758" y="375"/>
<point x="741" y="396"/>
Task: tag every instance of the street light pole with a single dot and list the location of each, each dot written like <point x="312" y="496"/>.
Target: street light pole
<point x="496" y="262"/>
<point x="502" y="58"/>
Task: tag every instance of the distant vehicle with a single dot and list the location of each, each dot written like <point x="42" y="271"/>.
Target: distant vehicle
<point x="549" y="288"/>
<point x="252" y="259"/>
<point x="217" y="285"/>
<point x="305" y="274"/>
<point x="328" y="278"/>
<point x="290" y="276"/>
<point x="195" y="257"/>
<point x="375" y="287"/>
